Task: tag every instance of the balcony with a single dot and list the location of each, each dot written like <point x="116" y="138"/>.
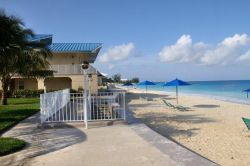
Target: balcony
<point x="63" y="69"/>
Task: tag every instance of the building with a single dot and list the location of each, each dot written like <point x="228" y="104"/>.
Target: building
<point x="66" y="64"/>
<point x="124" y="79"/>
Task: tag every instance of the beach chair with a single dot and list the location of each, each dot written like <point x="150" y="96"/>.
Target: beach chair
<point x="168" y="104"/>
<point x="179" y="108"/>
<point x="247" y="122"/>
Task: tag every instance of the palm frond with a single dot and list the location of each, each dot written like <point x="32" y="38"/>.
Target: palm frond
<point x="17" y="54"/>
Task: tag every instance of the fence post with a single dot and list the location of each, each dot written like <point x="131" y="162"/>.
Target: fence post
<point x="85" y="99"/>
<point x="41" y="108"/>
<point x="124" y="106"/>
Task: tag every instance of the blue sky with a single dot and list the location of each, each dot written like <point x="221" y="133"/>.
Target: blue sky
<point x="153" y="39"/>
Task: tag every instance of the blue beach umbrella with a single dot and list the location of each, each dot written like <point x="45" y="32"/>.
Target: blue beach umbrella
<point x="247" y="90"/>
<point x="128" y="84"/>
<point x="146" y="83"/>
<point x="176" y="83"/>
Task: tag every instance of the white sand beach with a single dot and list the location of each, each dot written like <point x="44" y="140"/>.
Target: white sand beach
<point x="212" y="128"/>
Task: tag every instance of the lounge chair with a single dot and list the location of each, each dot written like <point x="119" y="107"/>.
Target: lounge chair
<point x="180" y="108"/>
<point x="169" y="104"/>
<point x="247" y="122"/>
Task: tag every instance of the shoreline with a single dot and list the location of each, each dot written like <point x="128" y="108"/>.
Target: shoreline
<point x="220" y="98"/>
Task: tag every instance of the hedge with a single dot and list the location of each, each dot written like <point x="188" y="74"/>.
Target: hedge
<point x="27" y="93"/>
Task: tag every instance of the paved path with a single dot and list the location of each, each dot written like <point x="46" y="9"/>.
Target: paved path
<point x="118" y="145"/>
<point x="40" y="141"/>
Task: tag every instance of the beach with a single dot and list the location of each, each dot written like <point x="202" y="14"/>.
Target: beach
<point x="212" y="128"/>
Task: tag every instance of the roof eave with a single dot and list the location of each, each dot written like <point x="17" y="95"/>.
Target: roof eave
<point x="44" y="37"/>
<point x="90" y="58"/>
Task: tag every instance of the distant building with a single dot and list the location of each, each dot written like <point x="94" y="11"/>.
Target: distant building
<point x="124" y="79"/>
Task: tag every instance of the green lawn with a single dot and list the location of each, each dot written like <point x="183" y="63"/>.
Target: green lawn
<point x="10" y="145"/>
<point x="17" y="110"/>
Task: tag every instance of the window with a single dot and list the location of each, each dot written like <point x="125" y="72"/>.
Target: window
<point x="20" y="84"/>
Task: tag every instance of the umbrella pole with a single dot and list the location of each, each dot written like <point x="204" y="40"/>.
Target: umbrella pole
<point x="177" y="94"/>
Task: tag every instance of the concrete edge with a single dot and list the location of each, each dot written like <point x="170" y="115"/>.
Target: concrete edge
<point x="91" y="124"/>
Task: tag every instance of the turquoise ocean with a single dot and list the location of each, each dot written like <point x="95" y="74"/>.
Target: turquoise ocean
<point x="223" y="90"/>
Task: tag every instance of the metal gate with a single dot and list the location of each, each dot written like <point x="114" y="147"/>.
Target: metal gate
<point x="63" y="106"/>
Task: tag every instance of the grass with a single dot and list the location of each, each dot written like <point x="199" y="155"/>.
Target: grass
<point x="17" y="110"/>
<point x="10" y="145"/>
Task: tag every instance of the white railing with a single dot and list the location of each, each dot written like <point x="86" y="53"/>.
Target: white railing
<point x="66" y="69"/>
<point x="71" y="69"/>
<point x="62" y="106"/>
<point x="51" y="103"/>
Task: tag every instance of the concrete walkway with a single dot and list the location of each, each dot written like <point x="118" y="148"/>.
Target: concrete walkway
<point x="133" y="144"/>
<point x="115" y="145"/>
<point x="40" y="141"/>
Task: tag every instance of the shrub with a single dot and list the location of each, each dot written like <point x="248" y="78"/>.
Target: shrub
<point x="73" y="91"/>
<point x="27" y="93"/>
<point x="80" y="89"/>
<point x="103" y="90"/>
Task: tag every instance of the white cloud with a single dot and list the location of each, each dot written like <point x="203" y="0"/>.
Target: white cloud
<point x="117" y="53"/>
<point x="185" y="51"/>
<point x="226" y="51"/>
<point x="236" y="40"/>
<point x="245" y="56"/>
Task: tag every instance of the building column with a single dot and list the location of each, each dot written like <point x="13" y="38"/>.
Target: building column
<point x="40" y="83"/>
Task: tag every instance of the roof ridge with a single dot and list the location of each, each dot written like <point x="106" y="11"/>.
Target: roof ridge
<point x="76" y="43"/>
<point x="75" y="47"/>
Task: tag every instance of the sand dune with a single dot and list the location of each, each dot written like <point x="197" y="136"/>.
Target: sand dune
<point x="212" y="128"/>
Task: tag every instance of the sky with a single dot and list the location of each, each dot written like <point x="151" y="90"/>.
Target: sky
<point x="157" y="40"/>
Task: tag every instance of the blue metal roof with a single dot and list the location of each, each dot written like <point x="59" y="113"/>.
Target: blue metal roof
<point x="64" y="47"/>
<point x="38" y="37"/>
<point x="74" y="47"/>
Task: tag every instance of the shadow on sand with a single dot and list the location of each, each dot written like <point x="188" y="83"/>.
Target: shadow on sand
<point x="165" y="124"/>
<point x="206" y="106"/>
<point x="169" y="98"/>
<point x="161" y="123"/>
<point x="147" y="103"/>
<point x="150" y="96"/>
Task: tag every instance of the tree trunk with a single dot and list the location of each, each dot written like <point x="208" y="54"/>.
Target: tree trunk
<point x="5" y="84"/>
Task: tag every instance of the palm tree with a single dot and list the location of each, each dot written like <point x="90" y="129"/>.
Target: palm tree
<point x="18" y="56"/>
